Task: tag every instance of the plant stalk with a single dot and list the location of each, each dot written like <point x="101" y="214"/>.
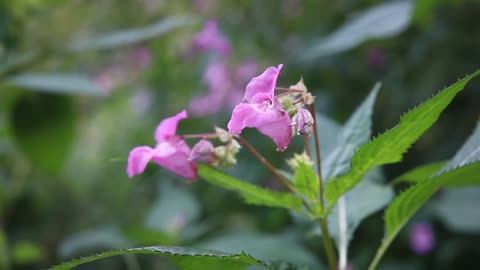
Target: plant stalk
<point x="328" y="244"/>
<point x="262" y="159"/>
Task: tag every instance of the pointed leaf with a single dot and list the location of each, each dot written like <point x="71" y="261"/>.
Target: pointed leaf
<point x="130" y="36"/>
<point x="469" y="152"/>
<point x="353" y="134"/>
<point x="306" y="181"/>
<point x="185" y="258"/>
<point x="457" y="208"/>
<point x="406" y="204"/>
<point x="382" y="21"/>
<point x="390" y="146"/>
<point x="251" y="193"/>
<point x="419" y="173"/>
<point x="63" y="83"/>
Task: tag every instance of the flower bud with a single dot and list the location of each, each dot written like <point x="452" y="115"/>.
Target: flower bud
<point x="303" y="122"/>
<point x="203" y="151"/>
<point x="227" y="154"/>
<point x="294" y="161"/>
<point x="223" y="135"/>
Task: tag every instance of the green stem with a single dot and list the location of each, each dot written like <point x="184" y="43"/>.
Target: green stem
<point x="327" y="240"/>
<point x="262" y="159"/>
<point x="328" y="244"/>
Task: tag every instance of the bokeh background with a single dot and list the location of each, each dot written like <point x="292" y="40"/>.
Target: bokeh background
<point x="82" y="82"/>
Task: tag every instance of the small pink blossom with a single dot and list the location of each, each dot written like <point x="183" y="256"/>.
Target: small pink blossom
<point x="171" y="151"/>
<point x="422" y="238"/>
<point x="263" y="111"/>
<point x="210" y="38"/>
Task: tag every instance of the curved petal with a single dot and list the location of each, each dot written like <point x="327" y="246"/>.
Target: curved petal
<point x="138" y="160"/>
<point x="168" y="126"/>
<point x="178" y="163"/>
<point x="264" y="83"/>
<point x="273" y="123"/>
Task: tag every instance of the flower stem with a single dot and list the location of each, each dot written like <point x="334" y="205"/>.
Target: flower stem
<point x="327" y="240"/>
<point x="200" y="135"/>
<point x="262" y="159"/>
<point x="328" y="244"/>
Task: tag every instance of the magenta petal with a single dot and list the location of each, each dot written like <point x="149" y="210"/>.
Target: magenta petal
<point x="138" y="160"/>
<point x="274" y="123"/>
<point x="178" y="163"/>
<point x="264" y="83"/>
<point x="168" y="126"/>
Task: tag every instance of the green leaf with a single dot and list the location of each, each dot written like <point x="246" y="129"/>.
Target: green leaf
<point x="174" y="204"/>
<point x="130" y="36"/>
<point x="26" y="252"/>
<point x="306" y="181"/>
<point x="381" y="21"/>
<point x="43" y="126"/>
<point x="390" y="146"/>
<point x="457" y="208"/>
<point x="251" y="193"/>
<point x="354" y="133"/>
<point x="419" y="173"/>
<point x="102" y="237"/>
<point x="185" y="258"/>
<point x="368" y="197"/>
<point x="62" y="83"/>
<point x="469" y="152"/>
<point x="266" y="247"/>
<point x="406" y="204"/>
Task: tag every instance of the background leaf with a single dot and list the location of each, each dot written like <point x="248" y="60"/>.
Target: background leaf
<point x="390" y="146"/>
<point x="63" y="83"/>
<point x="382" y="21"/>
<point x="185" y="258"/>
<point x="132" y="35"/>
<point x="458" y="209"/>
<point x="266" y="247"/>
<point x="251" y="193"/>
<point x="406" y="204"/>
<point x="43" y="126"/>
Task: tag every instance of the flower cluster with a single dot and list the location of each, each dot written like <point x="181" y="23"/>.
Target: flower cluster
<point x="270" y="114"/>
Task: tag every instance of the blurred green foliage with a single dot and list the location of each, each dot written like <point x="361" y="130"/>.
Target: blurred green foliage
<point x="69" y="116"/>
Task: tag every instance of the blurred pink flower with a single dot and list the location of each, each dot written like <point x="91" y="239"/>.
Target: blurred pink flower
<point x="224" y="87"/>
<point x="141" y="57"/>
<point x="263" y="111"/>
<point x="422" y="238"/>
<point x="171" y="151"/>
<point x="210" y="38"/>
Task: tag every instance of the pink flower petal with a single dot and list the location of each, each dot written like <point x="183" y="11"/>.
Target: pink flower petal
<point x="178" y="163"/>
<point x="264" y="83"/>
<point x="271" y="122"/>
<point x="168" y="126"/>
<point x="210" y="38"/>
<point x="138" y="160"/>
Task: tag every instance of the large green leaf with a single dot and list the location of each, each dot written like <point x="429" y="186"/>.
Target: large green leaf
<point x="382" y="21"/>
<point x="407" y="203"/>
<point x="64" y="83"/>
<point x="130" y="36"/>
<point x="457" y="208"/>
<point x="469" y="152"/>
<point x="251" y="193"/>
<point x="390" y="146"/>
<point x="419" y="173"/>
<point x="306" y="181"/>
<point x="266" y="247"/>
<point x="185" y="258"/>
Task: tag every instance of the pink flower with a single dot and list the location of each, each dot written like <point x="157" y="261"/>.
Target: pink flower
<point x="422" y="238"/>
<point x="171" y="151"/>
<point x="210" y="38"/>
<point x="263" y="111"/>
